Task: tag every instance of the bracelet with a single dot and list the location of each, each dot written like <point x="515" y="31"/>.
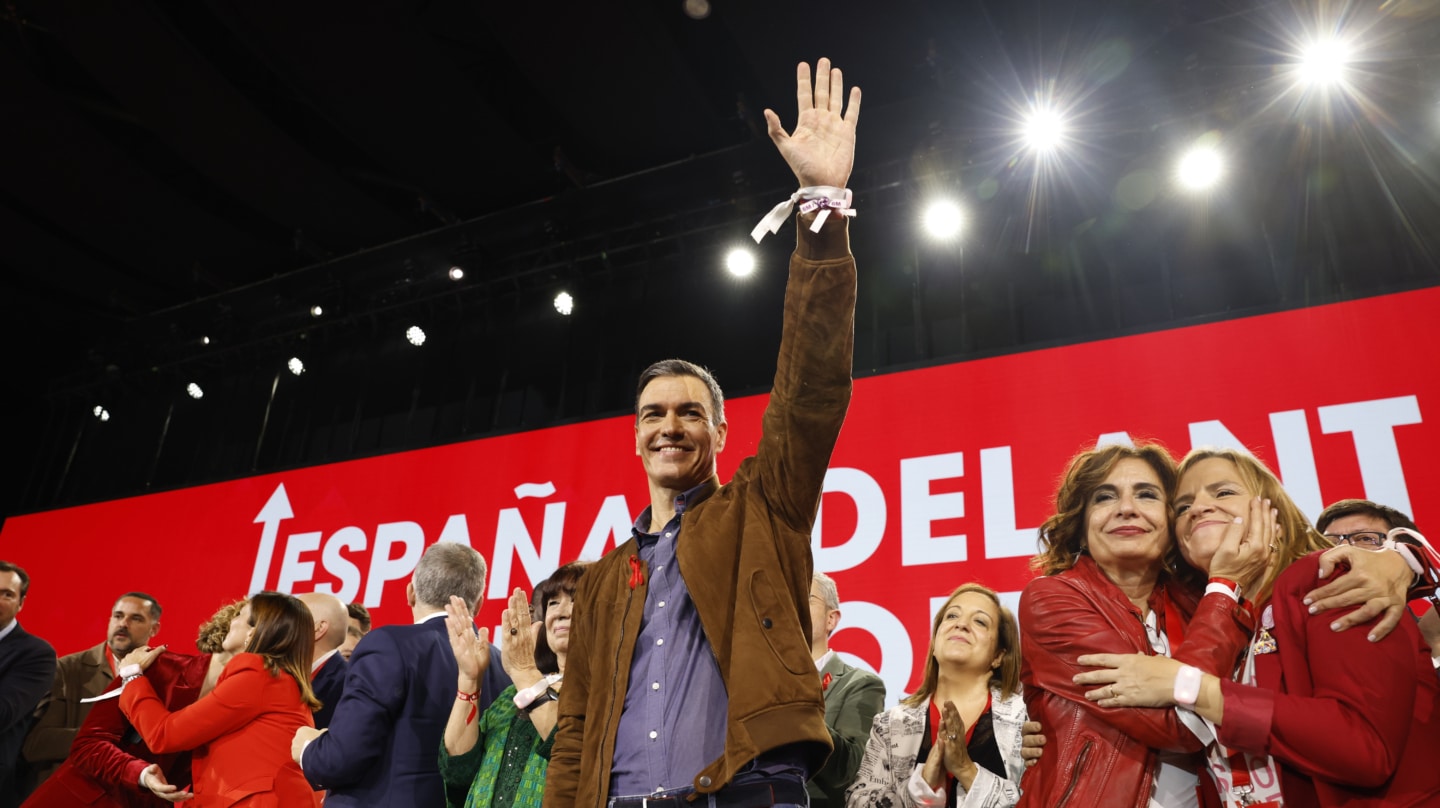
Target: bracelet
<point x="1187" y="685"/>
<point x="474" y="699"/>
<point x="526" y="697"/>
<point x="1229" y="587"/>
<point x="824" y="198"/>
<point x="130" y="673"/>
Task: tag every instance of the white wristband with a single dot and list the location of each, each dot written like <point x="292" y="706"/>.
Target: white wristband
<point x="823" y="198"/>
<point x="1187" y="685"/>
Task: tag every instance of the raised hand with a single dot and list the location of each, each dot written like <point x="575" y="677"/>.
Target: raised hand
<point x="1248" y="547"/>
<point x="472" y="650"/>
<point x="142" y="656"/>
<point x="821" y="150"/>
<point x="517" y="642"/>
<point x="957" y="754"/>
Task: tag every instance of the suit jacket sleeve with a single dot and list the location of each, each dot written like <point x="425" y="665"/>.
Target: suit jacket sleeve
<point x="562" y="778"/>
<point x="28" y="677"/>
<point x="1057" y="626"/>
<point x="859" y="703"/>
<point x="880" y="781"/>
<point x="236" y="700"/>
<point x="97" y="751"/>
<point x="1338" y="685"/>
<point x="49" y="740"/>
<point x="364" y="718"/>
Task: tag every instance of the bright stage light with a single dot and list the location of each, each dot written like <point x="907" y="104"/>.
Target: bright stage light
<point x="1044" y="130"/>
<point x="204" y="340"/>
<point x="101" y="413"/>
<point x="416" y="335"/>
<point x="456" y="273"/>
<point x="564" y="303"/>
<point x="740" y="262"/>
<point x="1200" y="168"/>
<point x="194" y="390"/>
<point x="296" y="366"/>
<point x="316" y="311"/>
<point x="944" y="220"/>
<point x="1323" y="62"/>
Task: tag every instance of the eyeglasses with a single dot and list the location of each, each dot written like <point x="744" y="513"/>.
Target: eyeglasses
<point x="1369" y="539"/>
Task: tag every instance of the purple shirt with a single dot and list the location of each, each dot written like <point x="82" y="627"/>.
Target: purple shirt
<point x="673" y="722"/>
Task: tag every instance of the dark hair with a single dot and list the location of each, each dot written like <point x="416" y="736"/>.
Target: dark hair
<point x="154" y="604"/>
<point x="285" y="636"/>
<point x="6" y="566"/>
<point x="680" y="367"/>
<point x="212" y="632"/>
<point x="1063" y="535"/>
<point x="564" y="581"/>
<point x="1364" y="507"/>
<point x="360" y="613"/>
<point x="1005" y="678"/>
<point x="448" y="569"/>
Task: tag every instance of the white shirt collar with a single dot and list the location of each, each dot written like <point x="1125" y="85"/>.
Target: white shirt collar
<point x="431" y="616"/>
<point x="315" y="666"/>
<point x="824" y="660"/>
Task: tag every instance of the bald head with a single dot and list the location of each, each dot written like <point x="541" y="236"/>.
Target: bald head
<point x="331" y="620"/>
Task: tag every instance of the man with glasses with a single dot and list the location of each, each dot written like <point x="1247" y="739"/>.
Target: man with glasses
<point x="1365" y="524"/>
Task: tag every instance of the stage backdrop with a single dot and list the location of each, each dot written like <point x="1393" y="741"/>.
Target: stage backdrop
<point x="941" y="477"/>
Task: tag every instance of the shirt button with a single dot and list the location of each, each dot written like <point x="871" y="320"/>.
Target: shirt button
<point x="662" y="604"/>
<point x="667" y="535"/>
<point x="654" y="735"/>
<point x="660" y="641"/>
<point x="654" y="685"/>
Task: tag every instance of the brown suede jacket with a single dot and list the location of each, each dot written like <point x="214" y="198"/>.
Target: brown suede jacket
<point x="744" y="553"/>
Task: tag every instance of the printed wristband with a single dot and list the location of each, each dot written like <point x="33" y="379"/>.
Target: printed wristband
<point x="1187" y="685"/>
<point x="524" y="698"/>
<point x="1225" y="585"/>
<point x="824" y="198"/>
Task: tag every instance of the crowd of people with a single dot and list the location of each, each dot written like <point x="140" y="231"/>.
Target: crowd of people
<point x="1190" y="638"/>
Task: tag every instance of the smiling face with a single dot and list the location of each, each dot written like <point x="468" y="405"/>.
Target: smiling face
<point x="1127" y="525"/>
<point x="674" y="434"/>
<point x="557" y="623"/>
<point x="968" y="634"/>
<point x="131" y="625"/>
<point x="1209" y="497"/>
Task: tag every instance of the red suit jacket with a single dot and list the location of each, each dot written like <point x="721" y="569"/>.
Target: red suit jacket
<point x="1351" y="722"/>
<point x="240" y="733"/>
<point x="107" y="756"/>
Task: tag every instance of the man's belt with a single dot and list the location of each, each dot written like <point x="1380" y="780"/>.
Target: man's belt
<point x="750" y="795"/>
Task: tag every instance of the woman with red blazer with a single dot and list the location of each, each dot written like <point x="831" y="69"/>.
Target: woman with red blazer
<point x="240" y="733"/>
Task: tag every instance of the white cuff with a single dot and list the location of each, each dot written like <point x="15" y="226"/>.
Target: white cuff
<point x="920" y="791"/>
<point x="1219" y="587"/>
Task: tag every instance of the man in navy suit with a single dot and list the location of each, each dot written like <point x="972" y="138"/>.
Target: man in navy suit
<point x="399" y="690"/>
<point x="328" y="668"/>
<point x="27" y="669"/>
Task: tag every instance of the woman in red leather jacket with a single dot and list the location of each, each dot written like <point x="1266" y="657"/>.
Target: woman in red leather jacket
<point x="1114" y="582"/>
<point x="1313" y="717"/>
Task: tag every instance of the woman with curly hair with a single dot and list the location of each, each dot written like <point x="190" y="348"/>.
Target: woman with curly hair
<point x="240" y="732"/>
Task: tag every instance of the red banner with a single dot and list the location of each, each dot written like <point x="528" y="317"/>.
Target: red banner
<point x="941" y="477"/>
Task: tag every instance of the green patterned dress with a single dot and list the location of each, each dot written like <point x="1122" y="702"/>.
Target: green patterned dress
<point x="506" y="767"/>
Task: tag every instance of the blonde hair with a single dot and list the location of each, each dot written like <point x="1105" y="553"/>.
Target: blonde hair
<point x="1297" y="538"/>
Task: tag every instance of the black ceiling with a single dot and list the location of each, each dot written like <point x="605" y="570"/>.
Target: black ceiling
<point x="172" y="169"/>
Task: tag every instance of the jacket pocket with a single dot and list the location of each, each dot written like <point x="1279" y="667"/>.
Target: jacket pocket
<point x="1076" y="772"/>
<point x="778" y="623"/>
<point x="249" y="788"/>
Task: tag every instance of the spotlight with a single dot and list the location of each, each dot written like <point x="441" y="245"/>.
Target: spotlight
<point x="416" y="335"/>
<point x="697" y="9"/>
<point x="101" y="413"/>
<point x="194" y="390"/>
<point x="943" y="220"/>
<point x="1044" y="130"/>
<point x="1200" y="168"/>
<point x="316" y="311"/>
<point x="204" y="340"/>
<point x="456" y="273"/>
<point x="740" y="262"/>
<point x="1323" y="62"/>
<point x="297" y="367"/>
<point x="564" y="303"/>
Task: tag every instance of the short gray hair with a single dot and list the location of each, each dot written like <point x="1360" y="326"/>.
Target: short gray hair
<point x="827" y="590"/>
<point x="680" y="367"/>
<point x="449" y="569"/>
